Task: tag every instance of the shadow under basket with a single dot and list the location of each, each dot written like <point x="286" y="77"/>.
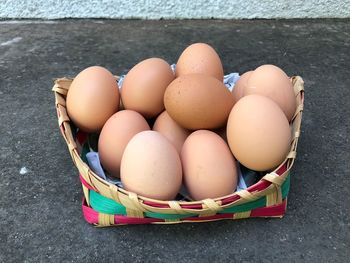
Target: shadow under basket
<point x="105" y="204"/>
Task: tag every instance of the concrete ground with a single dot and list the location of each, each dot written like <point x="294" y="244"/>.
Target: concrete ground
<point x="40" y="206"/>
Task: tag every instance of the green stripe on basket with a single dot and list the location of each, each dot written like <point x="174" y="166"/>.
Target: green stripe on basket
<point x="285" y="187"/>
<point x="257" y="203"/>
<point x="108" y="206"/>
<point x="168" y="216"/>
<point x="105" y="205"/>
<point x="245" y="207"/>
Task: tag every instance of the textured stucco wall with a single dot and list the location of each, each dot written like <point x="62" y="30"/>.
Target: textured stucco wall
<point x="155" y="9"/>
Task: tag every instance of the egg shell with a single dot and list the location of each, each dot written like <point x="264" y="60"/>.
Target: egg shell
<point x="209" y="168"/>
<point x="240" y="85"/>
<point x="171" y="130"/>
<point x="92" y="98"/>
<point x="115" y="135"/>
<point x="144" y="86"/>
<point x="198" y="102"/>
<point x="200" y="58"/>
<point x="273" y="82"/>
<point x="151" y="166"/>
<point x="258" y="133"/>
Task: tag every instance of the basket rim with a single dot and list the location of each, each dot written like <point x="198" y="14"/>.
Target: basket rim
<point x="274" y="178"/>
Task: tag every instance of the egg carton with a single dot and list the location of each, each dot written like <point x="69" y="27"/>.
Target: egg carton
<point x="106" y="203"/>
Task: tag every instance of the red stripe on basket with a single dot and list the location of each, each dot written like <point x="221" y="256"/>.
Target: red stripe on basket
<point x="82" y="180"/>
<point x="225" y="201"/>
<point x="259" y="186"/>
<point x="195" y="206"/>
<point x="282" y="169"/>
<point x="214" y="217"/>
<point x="256" y="187"/>
<point x="135" y="220"/>
<point x="91" y="216"/>
<point x="276" y="210"/>
<point x="230" y="199"/>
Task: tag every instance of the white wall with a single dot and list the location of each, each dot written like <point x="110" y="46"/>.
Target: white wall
<point x="155" y="9"/>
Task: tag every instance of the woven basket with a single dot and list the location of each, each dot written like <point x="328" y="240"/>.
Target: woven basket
<point x="105" y="204"/>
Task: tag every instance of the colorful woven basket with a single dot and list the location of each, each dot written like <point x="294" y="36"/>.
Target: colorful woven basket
<point x="105" y="204"/>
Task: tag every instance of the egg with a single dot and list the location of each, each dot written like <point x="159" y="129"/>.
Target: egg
<point x="240" y="86"/>
<point x="171" y="130"/>
<point x="209" y="168"/>
<point x="272" y="82"/>
<point x="151" y="166"/>
<point x="200" y="58"/>
<point x="92" y="98"/>
<point x="144" y="86"/>
<point x="115" y="135"/>
<point x="198" y="101"/>
<point x="258" y="133"/>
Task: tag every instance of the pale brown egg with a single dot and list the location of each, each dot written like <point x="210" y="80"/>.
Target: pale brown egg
<point x="272" y="82"/>
<point x="200" y="58"/>
<point x="144" y="86"/>
<point x="92" y="98"/>
<point x="115" y="135"/>
<point x="209" y="168"/>
<point x="171" y="130"/>
<point x="198" y="101"/>
<point x="151" y="166"/>
<point x="258" y="133"/>
<point x="240" y="86"/>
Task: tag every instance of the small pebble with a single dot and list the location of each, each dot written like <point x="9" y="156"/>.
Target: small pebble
<point x="23" y="171"/>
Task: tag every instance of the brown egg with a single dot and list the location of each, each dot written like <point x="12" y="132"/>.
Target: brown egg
<point x="209" y="168"/>
<point x="144" y="86"/>
<point x="171" y="130"/>
<point x="198" y="102"/>
<point x="151" y="166"/>
<point x="92" y="98"/>
<point x="115" y="135"/>
<point x="240" y="86"/>
<point x="258" y="133"/>
<point x="272" y="82"/>
<point x="200" y="58"/>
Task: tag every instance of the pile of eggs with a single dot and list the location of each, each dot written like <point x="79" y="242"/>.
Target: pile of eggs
<point x="164" y="129"/>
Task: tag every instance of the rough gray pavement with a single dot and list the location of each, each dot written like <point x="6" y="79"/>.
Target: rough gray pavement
<point x="40" y="211"/>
